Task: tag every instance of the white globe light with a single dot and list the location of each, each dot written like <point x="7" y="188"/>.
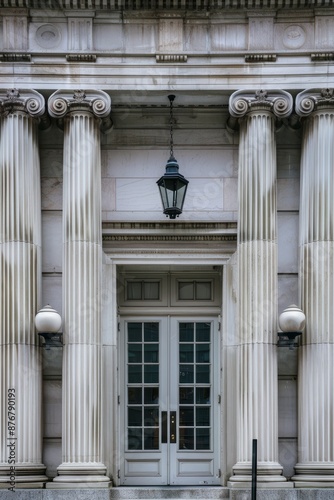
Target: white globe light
<point x="292" y="319"/>
<point x="47" y="320"/>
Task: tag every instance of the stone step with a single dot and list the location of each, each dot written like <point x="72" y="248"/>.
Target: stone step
<point x="169" y="492"/>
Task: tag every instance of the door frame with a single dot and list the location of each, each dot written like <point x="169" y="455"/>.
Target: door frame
<point x="167" y="464"/>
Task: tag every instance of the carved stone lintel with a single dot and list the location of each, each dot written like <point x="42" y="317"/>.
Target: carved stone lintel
<point x="29" y="101"/>
<point x="280" y="103"/>
<point x="96" y="102"/>
<point x="314" y="99"/>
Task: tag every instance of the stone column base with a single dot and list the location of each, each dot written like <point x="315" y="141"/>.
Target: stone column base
<point x="23" y="476"/>
<point x="269" y="475"/>
<point x="85" y="475"/>
<point x="319" y="475"/>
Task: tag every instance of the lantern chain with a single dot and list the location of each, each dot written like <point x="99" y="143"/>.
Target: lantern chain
<point x="171" y="99"/>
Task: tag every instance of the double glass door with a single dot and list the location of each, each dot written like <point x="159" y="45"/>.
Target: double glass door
<point x="169" y="402"/>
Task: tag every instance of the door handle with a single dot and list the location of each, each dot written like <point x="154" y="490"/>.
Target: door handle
<point x="164" y="426"/>
<point x="172" y="427"/>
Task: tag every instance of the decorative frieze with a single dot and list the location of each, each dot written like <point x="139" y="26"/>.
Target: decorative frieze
<point x="322" y="56"/>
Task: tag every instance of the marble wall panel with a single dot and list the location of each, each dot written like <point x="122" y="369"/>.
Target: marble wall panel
<point x="288" y="194"/>
<point x="52" y="362"/>
<point x="52" y="242"/>
<point x="288" y="291"/>
<point x="108" y="36"/>
<point x="288" y="163"/>
<point x="224" y="37"/>
<point x="51" y="459"/>
<point x="170" y="35"/>
<point x="288" y="235"/>
<point x="108" y="194"/>
<point x="140" y="37"/>
<point x="324" y="32"/>
<point x="52" y="402"/>
<point x="288" y="455"/>
<point x="261" y="33"/>
<point x="52" y="193"/>
<point x="51" y="161"/>
<point x="287" y="408"/>
<point x="52" y="292"/>
<point x="196" y="36"/>
<point x="287" y="361"/>
<point x="151" y="163"/>
<point x="231" y="193"/>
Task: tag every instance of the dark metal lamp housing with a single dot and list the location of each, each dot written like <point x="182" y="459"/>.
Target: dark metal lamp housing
<point x="172" y="185"/>
<point x="48" y="323"/>
<point x="292" y="324"/>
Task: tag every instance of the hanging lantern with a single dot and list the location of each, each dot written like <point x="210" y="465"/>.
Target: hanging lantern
<point x="172" y="185"/>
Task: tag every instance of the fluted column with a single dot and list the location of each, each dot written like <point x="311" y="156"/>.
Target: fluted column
<point x="257" y="266"/>
<point x="82" y="260"/>
<point x="20" y="277"/>
<point x="316" y="353"/>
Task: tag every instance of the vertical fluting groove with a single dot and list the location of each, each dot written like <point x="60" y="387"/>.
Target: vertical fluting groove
<point x="316" y="356"/>
<point x="257" y="261"/>
<point x="20" y="240"/>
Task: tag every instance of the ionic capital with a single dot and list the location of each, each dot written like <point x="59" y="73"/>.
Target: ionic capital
<point x="27" y="101"/>
<point x="314" y="100"/>
<point x="278" y="102"/>
<point x="64" y="102"/>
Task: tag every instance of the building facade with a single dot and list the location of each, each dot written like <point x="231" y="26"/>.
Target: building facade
<point x="169" y="365"/>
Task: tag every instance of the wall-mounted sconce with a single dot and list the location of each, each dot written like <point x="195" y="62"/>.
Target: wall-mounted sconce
<point x="172" y="185"/>
<point x="292" y="324"/>
<point x="48" y="323"/>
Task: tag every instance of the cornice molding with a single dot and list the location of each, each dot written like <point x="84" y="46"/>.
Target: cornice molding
<point x="96" y="102"/>
<point x="116" y="5"/>
<point x="165" y="232"/>
<point x="314" y="100"/>
<point x="278" y="102"/>
<point x="27" y="101"/>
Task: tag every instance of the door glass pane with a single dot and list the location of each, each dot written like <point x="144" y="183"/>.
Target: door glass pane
<point x="143" y="378"/>
<point x="202" y="439"/>
<point x="151" y="332"/>
<point x="134" y="290"/>
<point x="151" y="353"/>
<point x="134" y="332"/>
<point x="186" y="374"/>
<point x="135" y="395"/>
<point x="186" y="353"/>
<point x="135" y="353"/>
<point x="135" y="438"/>
<point x="186" y="395"/>
<point x="186" y="332"/>
<point x="195" y="379"/>
<point x="186" y="438"/>
<point x="135" y="416"/>
<point x="202" y="332"/>
<point x="151" y="290"/>
<point x="203" y="290"/>
<point x="186" y="290"/>
<point x="151" y="395"/>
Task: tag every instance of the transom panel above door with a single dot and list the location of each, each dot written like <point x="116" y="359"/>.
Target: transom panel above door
<point x="169" y="406"/>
